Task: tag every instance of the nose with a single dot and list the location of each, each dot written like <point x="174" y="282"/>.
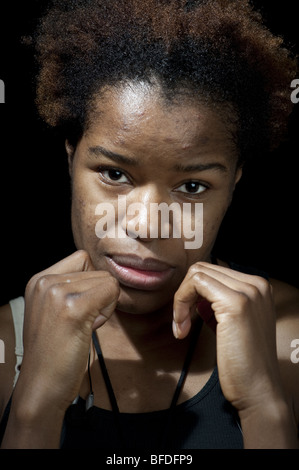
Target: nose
<point x="145" y="219"/>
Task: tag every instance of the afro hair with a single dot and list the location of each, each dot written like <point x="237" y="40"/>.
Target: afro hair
<point x="217" y="51"/>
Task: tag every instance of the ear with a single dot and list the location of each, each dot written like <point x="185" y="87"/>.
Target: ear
<point x="238" y="176"/>
<point x="239" y="173"/>
<point x="70" y="150"/>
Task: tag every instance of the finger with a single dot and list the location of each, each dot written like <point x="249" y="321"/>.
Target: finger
<point x="87" y="296"/>
<point x="233" y="279"/>
<point x="248" y="284"/>
<point x="72" y="277"/>
<point x="43" y="281"/>
<point x="201" y="286"/>
<point x="102" y="297"/>
<point x="77" y="262"/>
<point x="253" y="280"/>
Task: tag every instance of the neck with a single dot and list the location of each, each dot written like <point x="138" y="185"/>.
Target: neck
<point x="145" y="332"/>
<point x="144" y="325"/>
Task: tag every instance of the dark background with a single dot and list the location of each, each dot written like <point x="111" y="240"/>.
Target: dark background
<point x="261" y="226"/>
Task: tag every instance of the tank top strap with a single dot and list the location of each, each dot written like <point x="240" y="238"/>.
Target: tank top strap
<point x="17" y="309"/>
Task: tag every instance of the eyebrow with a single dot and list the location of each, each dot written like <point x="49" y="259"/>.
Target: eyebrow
<point x="201" y="167"/>
<point x="116" y="157"/>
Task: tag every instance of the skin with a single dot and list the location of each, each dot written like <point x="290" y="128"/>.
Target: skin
<point x="256" y="320"/>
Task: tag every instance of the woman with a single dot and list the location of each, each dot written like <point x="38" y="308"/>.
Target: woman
<point x="138" y="340"/>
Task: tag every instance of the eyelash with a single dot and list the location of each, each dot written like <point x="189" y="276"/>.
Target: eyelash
<point x="198" y="183"/>
<point x="102" y="170"/>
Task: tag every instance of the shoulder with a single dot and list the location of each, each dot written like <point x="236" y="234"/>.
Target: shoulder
<point x="7" y="337"/>
<point x="285" y="295"/>
<point x="286" y="299"/>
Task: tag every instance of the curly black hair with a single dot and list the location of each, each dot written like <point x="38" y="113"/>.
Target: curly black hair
<point x="216" y="51"/>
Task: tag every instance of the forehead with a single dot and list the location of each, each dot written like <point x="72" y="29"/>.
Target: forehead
<point x="141" y="111"/>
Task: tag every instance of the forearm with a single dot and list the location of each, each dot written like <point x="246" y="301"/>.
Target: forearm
<point x="31" y="436"/>
<point x="30" y="428"/>
<point x="270" y="426"/>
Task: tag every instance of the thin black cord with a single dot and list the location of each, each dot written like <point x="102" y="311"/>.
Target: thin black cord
<point x="90" y="398"/>
<point x="180" y="384"/>
<point x="187" y="363"/>
<point x="105" y="373"/>
<point x="89" y="374"/>
<point x="109" y="387"/>
<point x="177" y="392"/>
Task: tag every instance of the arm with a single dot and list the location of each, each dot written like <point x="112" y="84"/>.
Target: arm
<point x="32" y="429"/>
<point x="269" y="425"/>
<point x="64" y="304"/>
<point x="246" y="350"/>
<point x="7" y="369"/>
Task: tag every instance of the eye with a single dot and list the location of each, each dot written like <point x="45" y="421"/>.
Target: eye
<point x="113" y="175"/>
<point x="192" y="187"/>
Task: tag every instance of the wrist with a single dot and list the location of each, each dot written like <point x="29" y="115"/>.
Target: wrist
<point x="35" y="397"/>
<point x="29" y="433"/>
<point x="269" y="424"/>
<point x="33" y="423"/>
<point x="28" y="428"/>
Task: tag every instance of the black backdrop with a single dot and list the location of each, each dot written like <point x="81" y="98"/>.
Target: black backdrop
<point x="260" y="228"/>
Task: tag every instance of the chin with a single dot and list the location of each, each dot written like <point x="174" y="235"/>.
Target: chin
<point x="142" y="302"/>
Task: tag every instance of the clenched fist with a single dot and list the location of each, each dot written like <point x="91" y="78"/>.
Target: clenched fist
<point x="63" y="305"/>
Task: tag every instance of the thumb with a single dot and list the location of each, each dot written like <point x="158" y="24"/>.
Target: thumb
<point x="105" y="314"/>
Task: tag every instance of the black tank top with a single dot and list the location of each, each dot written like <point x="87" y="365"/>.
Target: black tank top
<point x="206" y="421"/>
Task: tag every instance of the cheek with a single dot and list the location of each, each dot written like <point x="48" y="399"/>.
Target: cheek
<point x="212" y="218"/>
<point x="83" y="219"/>
<point x="211" y="221"/>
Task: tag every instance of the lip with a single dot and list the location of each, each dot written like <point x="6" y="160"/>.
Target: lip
<point x="137" y="273"/>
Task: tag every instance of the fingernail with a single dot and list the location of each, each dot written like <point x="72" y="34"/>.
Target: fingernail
<point x="175" y="329"/>
<point x="107" y="311"/>
<point x="99" y="321"/>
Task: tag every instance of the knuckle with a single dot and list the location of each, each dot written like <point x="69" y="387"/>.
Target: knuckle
<point x="197" y="274"/>
<point x="70" y="302"/>
<point x="260" y="288"/>
<point x="38" y="284"/>
<point x="194" y="269"/>
<point x="54" y="293"/>
<point x="264" y="285"/>
<point x="199" y="277"/>
<point x="253" y="292"/>
<point x="243" y="300"/>
<point x="73" y="307"/>
<point x="42" y="283"/>
<point x="70" y="307"/>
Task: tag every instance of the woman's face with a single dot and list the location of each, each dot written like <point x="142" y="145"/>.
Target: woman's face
<point x="139" y="148"/>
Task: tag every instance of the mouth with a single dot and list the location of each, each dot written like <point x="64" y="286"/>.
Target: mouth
<point x="137" y="273"/>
